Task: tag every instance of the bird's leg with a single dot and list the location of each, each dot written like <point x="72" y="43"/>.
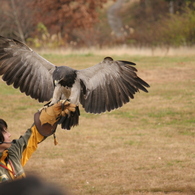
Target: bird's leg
<point x="64" y="104"/>
<point x="62" y="101"/>
<point x="60" y="94"/>
<point x="56" y="94"/>
<point x="46" y="106"/>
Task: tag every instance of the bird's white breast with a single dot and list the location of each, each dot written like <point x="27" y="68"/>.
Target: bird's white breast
<point x="75" y="92"/>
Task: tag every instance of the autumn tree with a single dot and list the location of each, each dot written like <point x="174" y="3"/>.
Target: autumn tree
<point x="23" y="19"/>
<point x="176" y="6"/>
<point x="16" y="19"/>
<point x="64" y="16"/>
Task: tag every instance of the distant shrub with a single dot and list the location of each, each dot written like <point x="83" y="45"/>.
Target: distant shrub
<point x="178" y="30"/>
<point x="155" y="26"/>
<point x="44" y="39"/>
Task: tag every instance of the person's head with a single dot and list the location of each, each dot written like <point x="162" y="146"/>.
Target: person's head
<point x="4" y="136"/>
<point x="3" y="128"/>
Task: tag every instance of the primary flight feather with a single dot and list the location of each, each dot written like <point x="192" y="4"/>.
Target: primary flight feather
<point x="103" y="87"/>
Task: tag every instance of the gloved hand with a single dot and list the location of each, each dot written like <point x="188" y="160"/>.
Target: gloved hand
<point x="53" y="113"/>
<point x="46" y="119"/>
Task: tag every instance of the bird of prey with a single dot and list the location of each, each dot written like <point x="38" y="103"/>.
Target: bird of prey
<point x="105" y="86"/>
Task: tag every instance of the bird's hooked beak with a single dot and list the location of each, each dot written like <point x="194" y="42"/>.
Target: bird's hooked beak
<point x="56" y="82"/>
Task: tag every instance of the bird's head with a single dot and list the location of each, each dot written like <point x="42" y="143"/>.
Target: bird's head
<point x="64" y="75"/>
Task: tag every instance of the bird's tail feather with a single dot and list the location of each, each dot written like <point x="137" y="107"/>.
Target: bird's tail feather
<point x="71" y="120"/>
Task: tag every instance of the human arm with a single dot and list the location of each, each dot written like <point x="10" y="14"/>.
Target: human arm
<point x="45" y="123"/>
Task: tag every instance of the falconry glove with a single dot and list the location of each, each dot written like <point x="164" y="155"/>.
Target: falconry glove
<point x="46" y="119"/>
<point x="53" y="113"/>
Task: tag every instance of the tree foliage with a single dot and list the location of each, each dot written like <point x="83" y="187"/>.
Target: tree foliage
<point x="41" y="19"/>
<point x="64" y="16"/>
<point x="75" y="23"/>
<point x="16" y="19"/>
<point x="152" y="23"/>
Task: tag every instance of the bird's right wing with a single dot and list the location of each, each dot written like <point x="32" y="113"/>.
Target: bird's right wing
<point x="108" y="85"/>
<point x="25" y="69"/>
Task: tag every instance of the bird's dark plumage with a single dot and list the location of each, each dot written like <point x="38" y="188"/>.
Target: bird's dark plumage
<point x="103" y="87"/>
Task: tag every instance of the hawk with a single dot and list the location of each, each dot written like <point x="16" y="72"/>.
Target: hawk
<point x="105" y="86"/>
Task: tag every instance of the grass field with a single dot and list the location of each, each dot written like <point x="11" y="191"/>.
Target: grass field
<point x="146" y="147"/>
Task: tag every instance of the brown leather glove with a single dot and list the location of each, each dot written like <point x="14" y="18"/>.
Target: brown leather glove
<point x="46" y="120"/>
<point x="52" y="114"/>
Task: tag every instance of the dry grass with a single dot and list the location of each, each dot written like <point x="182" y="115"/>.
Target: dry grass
<point x="125" y="50"/>
<point x="146" y="147"/>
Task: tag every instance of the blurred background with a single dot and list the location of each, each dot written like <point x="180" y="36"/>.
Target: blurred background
<point x="92" y="23"/>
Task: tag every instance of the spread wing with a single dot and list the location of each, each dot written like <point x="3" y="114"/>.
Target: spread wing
<point x="21" y="67"/>
<point x="108" y="85"/>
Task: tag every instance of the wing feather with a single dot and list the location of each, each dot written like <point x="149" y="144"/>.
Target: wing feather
<point x="25" y="69"/>
<point x="113" y="100"/>
<point x="11" y="75"/>
<point x="123" y="96"/>
<point x="109" y="85"/>
<point x="110" y="103"/>
<point x="96" y="100"/>
<point x="17" y="77"/>
<point x="5" y="66"/>
<point x="25" y="85"/>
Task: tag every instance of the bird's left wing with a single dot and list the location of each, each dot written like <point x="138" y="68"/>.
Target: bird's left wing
<point x="108" y="85"/>
<point x="25" y="69"/>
